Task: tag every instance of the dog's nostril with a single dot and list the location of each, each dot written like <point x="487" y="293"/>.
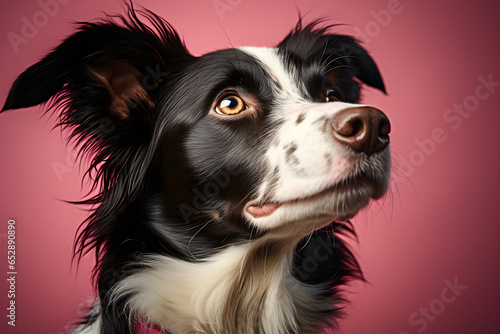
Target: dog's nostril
<point x="349" y="127"/>
<point x="364" y="129"/>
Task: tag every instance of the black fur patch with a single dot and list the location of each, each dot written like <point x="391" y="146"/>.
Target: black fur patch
<point x="290" y="156"/>
<point x="300" y="119"/>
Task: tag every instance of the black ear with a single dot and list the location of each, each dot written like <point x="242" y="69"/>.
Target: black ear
<point x="104" y="82"/>
<point x="340" y="56"/>
<point x="356" y="56"/>
<point x="123" y="65"/>
<point x="104" y="79"/>
<point x="117" y="85"/>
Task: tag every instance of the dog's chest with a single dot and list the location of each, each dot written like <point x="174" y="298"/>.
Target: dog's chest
<point x="241" y="290"/>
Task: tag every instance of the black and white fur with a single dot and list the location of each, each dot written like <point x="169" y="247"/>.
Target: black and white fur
<point x="205" y="222"/>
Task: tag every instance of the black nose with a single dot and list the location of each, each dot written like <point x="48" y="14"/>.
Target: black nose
<point x="364" y="129"/>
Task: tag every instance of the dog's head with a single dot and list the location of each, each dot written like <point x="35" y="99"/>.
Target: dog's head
<point x="208" y="150"/>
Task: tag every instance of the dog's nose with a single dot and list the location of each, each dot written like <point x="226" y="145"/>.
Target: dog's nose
<point x="364" y="129"/>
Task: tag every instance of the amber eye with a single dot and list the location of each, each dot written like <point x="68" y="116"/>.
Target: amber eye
<point x="332" y="96"/>
<point x="230" y="104"/>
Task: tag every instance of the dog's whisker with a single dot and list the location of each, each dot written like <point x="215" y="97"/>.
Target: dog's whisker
<point x="192" y="238"/>
<point x="227" y="36"/>
<point x="326" y="66"/>
<point x="324" y="50"/>
<point x="337" y="67"/>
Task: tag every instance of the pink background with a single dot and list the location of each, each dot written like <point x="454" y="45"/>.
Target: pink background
<point x="440" y="221"/>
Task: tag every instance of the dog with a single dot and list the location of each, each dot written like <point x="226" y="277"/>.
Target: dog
<point x="223" y="184"/>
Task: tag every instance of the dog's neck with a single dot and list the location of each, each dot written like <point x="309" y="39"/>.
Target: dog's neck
<point x="246" y="288"/>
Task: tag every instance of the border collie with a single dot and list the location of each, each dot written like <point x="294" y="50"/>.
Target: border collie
<point x="222" y="184"/>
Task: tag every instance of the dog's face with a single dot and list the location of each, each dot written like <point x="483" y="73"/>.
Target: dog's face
<point x="273" y="137"/>
<point x="223" y="147"/>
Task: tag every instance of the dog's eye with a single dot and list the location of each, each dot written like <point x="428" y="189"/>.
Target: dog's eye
<point x="230" y="104"/>
<point x="332" y="96"/>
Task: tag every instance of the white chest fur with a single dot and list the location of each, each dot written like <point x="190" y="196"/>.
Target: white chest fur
<point x="244" y="289"/>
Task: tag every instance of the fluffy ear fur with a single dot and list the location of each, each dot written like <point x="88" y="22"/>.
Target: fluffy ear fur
<point x="341" y="56"/>
<point x="112" y="58"/>
<point x="104" y="82"/>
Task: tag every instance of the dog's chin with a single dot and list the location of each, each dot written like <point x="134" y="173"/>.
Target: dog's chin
<point x="339" y="202"/>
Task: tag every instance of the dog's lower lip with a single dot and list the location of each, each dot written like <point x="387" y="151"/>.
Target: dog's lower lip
<point x="260" y="211"/>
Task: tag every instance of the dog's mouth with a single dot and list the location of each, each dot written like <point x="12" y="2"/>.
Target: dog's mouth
<point x="262" y="210"/>
<point x="266" y="208"/>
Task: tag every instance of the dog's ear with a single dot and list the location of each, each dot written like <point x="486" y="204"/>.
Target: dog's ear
<point x="110" y="85"/>
<point x="341" y="57"/>
<point x="104" y="82"/>
<point x="104" y="74"/>
<point x="352" y="54"/>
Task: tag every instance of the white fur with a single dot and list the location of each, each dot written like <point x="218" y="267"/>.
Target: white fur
<point x="274" y="65"/>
